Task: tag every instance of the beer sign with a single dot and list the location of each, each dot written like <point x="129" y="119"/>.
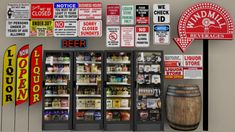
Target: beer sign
<point x="73" y="43"/>
<point x="161" y="13"/>
<point x="204" y="21"/>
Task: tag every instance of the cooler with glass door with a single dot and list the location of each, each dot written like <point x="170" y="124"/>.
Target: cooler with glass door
<point x="88" y="85"/>
<point x="57" y="91"/>
<point x="118" y="108"/>
<point x="148" y="91"/>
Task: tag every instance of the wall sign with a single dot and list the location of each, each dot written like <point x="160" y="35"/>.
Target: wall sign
<point x="65" y="28"/>
<point x="66" y="10"/>
<point x="193" y="67"/>
<point x="36" y="76"/>
<point x="90" y="10"/>
<point x="18" y="10"/>
<point x="41" y="28"/>
<point x="22" y="85"/>
<point x="73" y="43"/>
<point x="142" y="14"/>
<point x="89" y="28"/>
<point x="142" y="36"/>
<point x="127" y="36"/>
<point x="161" y="34"/>
<point x="204" y="21"/>
<point x="173" y="67"/>
<point x="17" y="28"/>
<point x="113" y="36"/>
<point x="8" y="80"/>
<point x="127" y="14"/>
<point x="161" y="13"/>
<point x="42" y="11"/>
<point x="113" y="15"/>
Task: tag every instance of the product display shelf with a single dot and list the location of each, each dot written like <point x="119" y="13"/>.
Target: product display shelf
<point x="57" y="95"/>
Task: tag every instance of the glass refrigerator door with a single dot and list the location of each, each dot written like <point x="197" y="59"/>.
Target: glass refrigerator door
<point x="88" y="87"/>
<point x="148" y="87"/>
<point x="57" y="88"/>
<point x="118" y="87"/>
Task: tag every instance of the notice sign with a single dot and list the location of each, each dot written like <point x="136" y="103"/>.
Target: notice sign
<point x="74" y="43"/>
<point x="41" y="28"/>
<point x="113" y="15"/>
<point x="127" y="14"/>
<point x="90" y="10"/>
<point x="89" y="28"/>
<point x="161" y="13"/>
<point x="18" y="10"/>
<point x="173" y="67"/>
<point x="127" y="36"/>
<point x="17" y="28"/>
<point x="66" y="10"/>
<point x="113" y="36"/>
<point x="142" y="14"/>
<point x="193" y="67"/>
<point x="65" y="28"/>
<point x="161" y="34"/>
<point x="142" y="36"/>
<point x="42" y="11"/>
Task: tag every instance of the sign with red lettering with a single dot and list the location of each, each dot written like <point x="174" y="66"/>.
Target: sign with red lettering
<point x="89" y="28"/>
<point x="127" y="37"/>
<point x="113" y="36"/>
<point x="113" y="15"/>
<point x="142" y="36"/>
<point x="42" y="11"/>
<point x="142" y="14"/>
<point x="65" y="28"/>
<point x="36" y="76"/>
<point x="173" y="67"/>
<point x="204" y="21"/>
<point x="73" y="43"/>
<point x="90" y="10"/>
<point x="22" y="84"/>
<point x="193" y="67"/>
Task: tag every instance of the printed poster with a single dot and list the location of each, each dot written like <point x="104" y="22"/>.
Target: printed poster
<point x="41" y="28"/>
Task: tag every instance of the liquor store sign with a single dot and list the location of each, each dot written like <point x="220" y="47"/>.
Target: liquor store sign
<point x="204" y="21"/>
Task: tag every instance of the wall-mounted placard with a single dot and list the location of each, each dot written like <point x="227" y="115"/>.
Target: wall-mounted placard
<point x="113" y="36"/>
<point x="127" y="15"/>
<point x="66" y="10"/>
<point x="90" y="10"/>
<point x="18" y="11"/>
<point x="41" y="28"/>
<point x="42" y="11"/>
<point x="17" y="28"/>
<point x="89" y="28"/>
<point x="113" y="15"/>
<point x="161" y="13"/>
<point x="65" y="28"/>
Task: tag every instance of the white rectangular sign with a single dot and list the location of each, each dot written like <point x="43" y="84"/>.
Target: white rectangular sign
<point x="127" y="15"/>
<point x="17" y="28"/>
<point x="193" y="67"/>
<point x="113" y="36"/>
<point x="127" y="36"/>
<point x="65" y="28"/>
<point x="18" y="11"/>
<point x="89" y="28"/>
<point x="90" y="10"/>
<point x="66" y="10"/>
<point x="142" y="36"/>
<point x="161" y="34"/>
<point x="161" y="13"/>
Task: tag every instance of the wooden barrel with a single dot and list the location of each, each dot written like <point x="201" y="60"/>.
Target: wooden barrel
<point x="183" y="107"/>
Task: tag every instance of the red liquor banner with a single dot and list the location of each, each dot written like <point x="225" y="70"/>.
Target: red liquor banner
<point x="42" y="11"/>
<point x="204" y="21"/>
<point x="22" y="75"/>
<point x="35" y="94"/>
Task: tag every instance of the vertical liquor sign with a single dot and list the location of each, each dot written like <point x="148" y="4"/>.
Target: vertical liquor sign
<point x="127" y="15"/>
<point x="36" y="76"/>
<point x="42" y="11"/>
<point x="22" y="84"/>
<point x="142" y="14"/>
<point x="113" y="15"/>
<point x="9" y="70"/>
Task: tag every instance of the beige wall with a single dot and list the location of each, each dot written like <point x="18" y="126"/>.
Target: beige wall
<point x="221" y="59"/>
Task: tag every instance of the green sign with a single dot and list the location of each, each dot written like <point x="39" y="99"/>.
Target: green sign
<point x="127" y="14"/>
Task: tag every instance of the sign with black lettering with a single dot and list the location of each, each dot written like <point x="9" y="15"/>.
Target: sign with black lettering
<point x="17" y="28"/>
<point x="113" y="36"/>
<point x="18" y="11"/>
<point x="161" y="13"/>
<point x="142" y="14"/>
<point x="161" y="34"/>
<point x="65" y="28"/>
<point x="73" y="43"/>
<point x="142" y="36"/>
<point x="66" y="10"/>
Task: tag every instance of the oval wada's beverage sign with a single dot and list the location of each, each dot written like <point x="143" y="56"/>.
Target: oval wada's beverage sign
<point x="204" y="21"/>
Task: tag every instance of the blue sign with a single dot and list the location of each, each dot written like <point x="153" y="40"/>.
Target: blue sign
<point x="66" y="5"/>
<point x="161" y="28"/>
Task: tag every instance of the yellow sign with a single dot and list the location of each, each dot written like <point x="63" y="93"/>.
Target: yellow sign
<point x="41" y="28"/>
<point x="22" y="75"/>
<point x="9" y="70"/>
